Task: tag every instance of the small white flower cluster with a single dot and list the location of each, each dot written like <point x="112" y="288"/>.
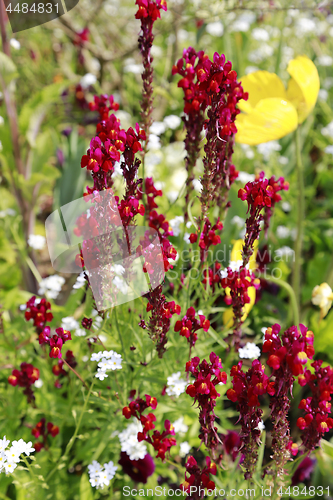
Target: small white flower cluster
<point x="267" y="148"/>
<point x="328" y="130"/>
<point x="129" y="441"/>
<point x="175" y="385"/>
<point x="101" y="476"/>
<point x="185" y="449"/>
<point x="8" y="211"/>
<point x="285" y="252"/>
<point x="80" y="281"/>
<point x="51" y="285"/>
<point x="70" y="323"/>
<point x="249" y="351"/>
<point x="36" y="241"/>
<point x="87" y="80"/>
<point x="179" y="426"/>
<point x="107" y="360"/>
<point x="244" y="177"/>
<point x="175" y="224"/>
<point x="285" y="232"/>
<point x="10" y="458"/>
<point x="238" y="221"/>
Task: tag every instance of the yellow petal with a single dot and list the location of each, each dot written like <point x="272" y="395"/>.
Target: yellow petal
<point x="261" y="85"/>
<point x="236" y="253"/>
<point x="270" y="120"/>
<point x="228" y="317"/>
<point x="303" y="86"/>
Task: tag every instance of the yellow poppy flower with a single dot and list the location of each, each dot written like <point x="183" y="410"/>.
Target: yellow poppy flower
<point x="272" y="111"/>
<point x="236" y="254"/>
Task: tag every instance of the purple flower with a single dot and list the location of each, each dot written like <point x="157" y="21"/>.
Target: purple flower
<point x="138" y="470"/>
<point x="303" y="471"/>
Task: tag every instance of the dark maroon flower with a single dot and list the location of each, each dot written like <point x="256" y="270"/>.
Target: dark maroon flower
<point x="232" y="442"/>
<point x="138" y="470"/>
<point x="203" y="390"/>
<point x="303" y="471"/>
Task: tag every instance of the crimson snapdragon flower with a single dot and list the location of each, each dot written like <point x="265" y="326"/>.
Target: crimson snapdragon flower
<point x="159" y="321"/>
<point x="39" y="311"/>
<point x="190" y="67"/>
<point x="25" y="377"/>
<point x="42" y="430"/>
<point x="203" y="390"/>
<point x="247" y="387"/>
<point x="58" y="369"/>
<point x="160" y="441"/>
<point x="55" y="341"/>
<point x="210" y="87"/>
<point x="288" y="355"/>
<point x="189" y="325"/>
<point x="159" y="222"/>
<point x="261" y="196"/>
<point x="148" y="12"/>
<point x="317" y="407"/>
<point x="238" y="281"/>
<point x="208" y="237"/>
<point x="198" y="478"/>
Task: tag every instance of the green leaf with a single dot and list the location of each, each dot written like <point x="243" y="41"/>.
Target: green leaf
<point x="7" y="68"/>
<point x="85" y="488"/>
<point x="34" y="111"/>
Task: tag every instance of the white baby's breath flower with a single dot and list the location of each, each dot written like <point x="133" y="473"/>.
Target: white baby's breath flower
<point x="325" y="60"/>
<point x="328" y="130"/>
<point x="267" y="148"/>
<point x="184" y="449"/>
<point x="129" y="442"/>
<point x="36" y="241"/>
<point x="329" y="150"/>
<point x="260" y="34"/>
<point x="238" y="221"/>
<point x="284" y="252"/>
<point x="175" y="385"/>
<point x="249" y="351"/>
<point x="180" y="427"/>
<point x="175" y="224"/>
<point x="187" y="238"/>
<point x="215" y="29"/>
<point x="244" y="177"/>
<point x="51" y="285"/>
<point x="69" y="323"/>
<point x="80" y="281"/>
<point x="15" y="43"/>
<point x="39" y="383"/>
<point x="87" y="80"/>
<point x="157" y="128"/>
<point x="172" y="121"/>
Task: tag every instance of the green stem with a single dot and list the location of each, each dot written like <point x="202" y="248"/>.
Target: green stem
<point x="35" y="478"/>
<point x="291" y="293"/>
<point x="119" y="334"/>
<point x="296" y="277"/>
<point x="72" y="440"/>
